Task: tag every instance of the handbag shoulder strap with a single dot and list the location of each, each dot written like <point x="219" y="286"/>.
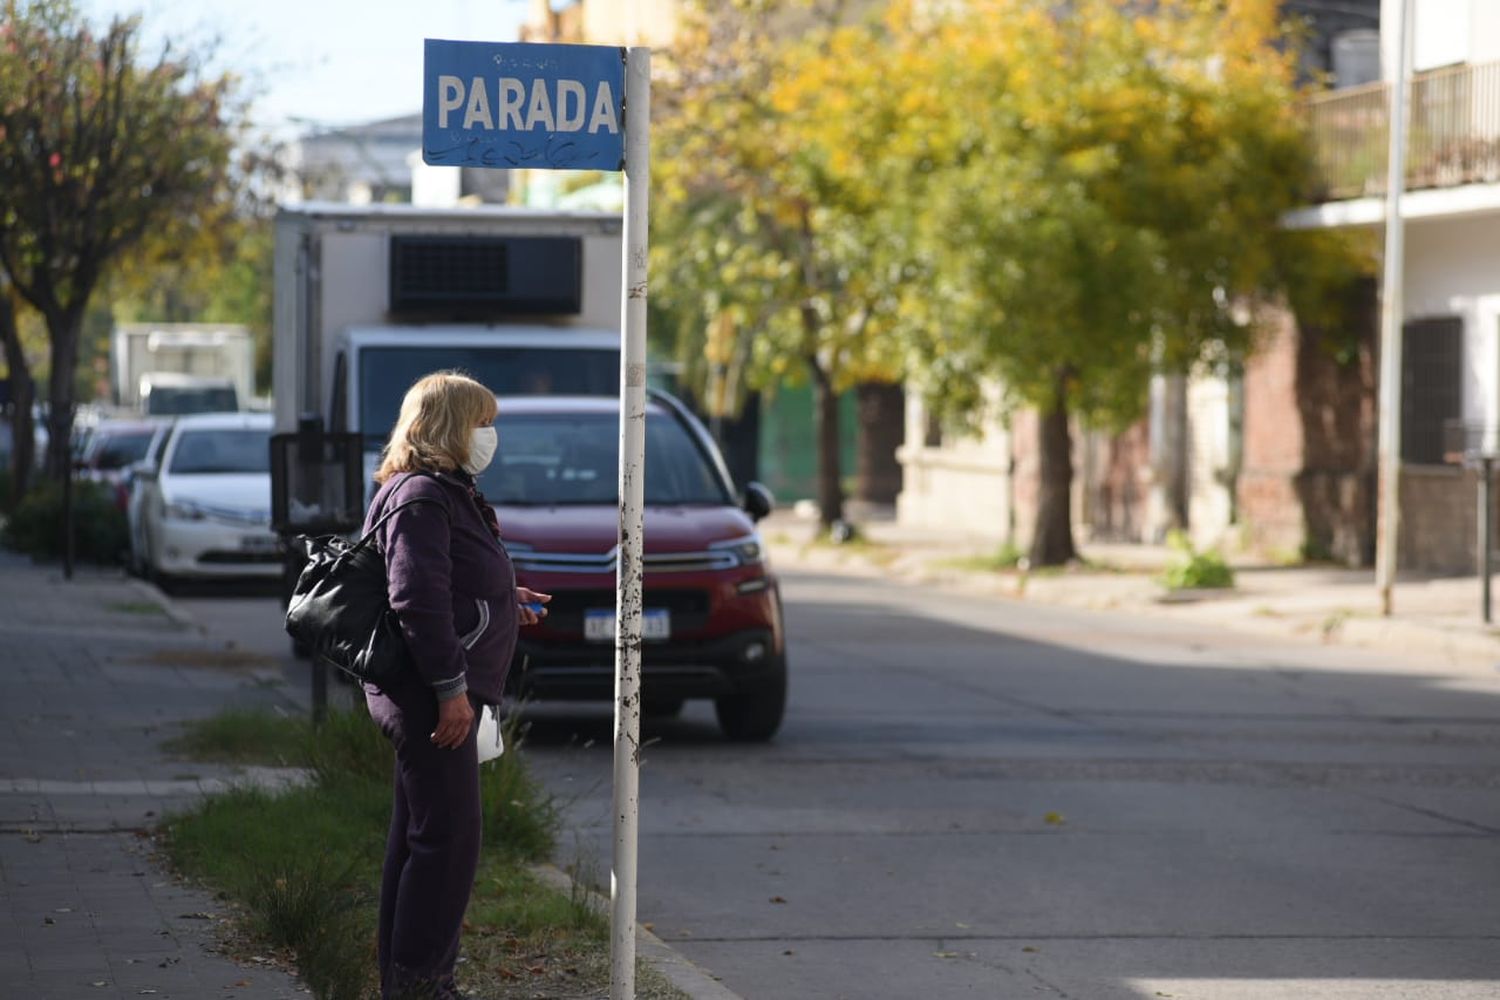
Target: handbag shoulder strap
<point x="369" y="536"/>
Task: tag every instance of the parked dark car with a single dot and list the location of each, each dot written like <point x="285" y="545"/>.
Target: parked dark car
<point x="112" y="448"/>
<point x="713" y="620"/>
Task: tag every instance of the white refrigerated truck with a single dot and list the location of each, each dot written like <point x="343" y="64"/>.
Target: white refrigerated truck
<point x="170" y="368"/>
<point x="370" y="298"/>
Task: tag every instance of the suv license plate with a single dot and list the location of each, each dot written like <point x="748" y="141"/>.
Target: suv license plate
<point x="599" y="626"/>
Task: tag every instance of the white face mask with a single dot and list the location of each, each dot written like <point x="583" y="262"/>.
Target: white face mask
<point x="482" y="443"/>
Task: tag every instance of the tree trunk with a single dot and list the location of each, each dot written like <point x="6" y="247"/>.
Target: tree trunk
<point x="1052" y="542"/>
<point x="22" y="397"/>
<point x="65" y="327"/>
<point x="826" y="431"/>
<point x="882" y="428"/>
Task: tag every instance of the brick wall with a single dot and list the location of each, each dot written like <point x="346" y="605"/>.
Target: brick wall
<point x="1308" y="478"/>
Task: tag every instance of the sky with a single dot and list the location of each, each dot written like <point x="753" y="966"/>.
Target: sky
<point x="317" y="63"/>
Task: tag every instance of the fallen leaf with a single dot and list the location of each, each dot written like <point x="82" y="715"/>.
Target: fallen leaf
<point x="945" y="954"/>
<point x="49" y="921"/>
<point x="789" y="951"/>
<point x="199" y="915"/>
<point x="1030" y="949"/>
<point x="1054" y="819"/>
<point x="238" y="985"/>
<point x="649" y="927"/>
<point x="777" y="899"/>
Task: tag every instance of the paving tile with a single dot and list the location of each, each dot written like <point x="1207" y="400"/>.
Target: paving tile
<point x="81" y="726"/>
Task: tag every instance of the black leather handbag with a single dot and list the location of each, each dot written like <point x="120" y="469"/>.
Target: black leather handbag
<point x="340" y="610"/>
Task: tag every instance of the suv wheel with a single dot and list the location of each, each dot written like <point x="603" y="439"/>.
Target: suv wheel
<point x="753" y="715"/>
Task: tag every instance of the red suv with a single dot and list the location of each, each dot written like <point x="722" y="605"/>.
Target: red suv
<point x="713" y="624"/>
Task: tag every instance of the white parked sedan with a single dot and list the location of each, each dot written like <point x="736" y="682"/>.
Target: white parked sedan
<point x="205" y="509"/>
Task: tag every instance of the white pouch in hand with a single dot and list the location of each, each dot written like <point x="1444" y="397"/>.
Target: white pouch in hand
<point x="488" y="739"/>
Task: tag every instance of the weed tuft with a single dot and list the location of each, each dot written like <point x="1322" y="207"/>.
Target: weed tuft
<point x="520" y="818"/>
<point x="1194" y="570"/>
<point x="316" y="910"/>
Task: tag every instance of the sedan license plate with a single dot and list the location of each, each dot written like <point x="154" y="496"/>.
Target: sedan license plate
<point x="599" y="626"/>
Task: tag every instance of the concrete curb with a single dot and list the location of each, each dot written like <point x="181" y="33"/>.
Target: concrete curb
<point x="691" y="979"/>
<point x="169" y="607"/>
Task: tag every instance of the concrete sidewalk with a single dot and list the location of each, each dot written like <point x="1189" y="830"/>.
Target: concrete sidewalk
<point x="97" y="673"/>
<point x="1436" y="619"/>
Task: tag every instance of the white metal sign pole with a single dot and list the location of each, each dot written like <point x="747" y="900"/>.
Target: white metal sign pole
<point x="628" y="615"/>
<point x="1391" y="310"/>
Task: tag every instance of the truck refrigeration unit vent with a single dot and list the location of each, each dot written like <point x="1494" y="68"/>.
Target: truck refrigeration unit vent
<point x="484" y="277"/>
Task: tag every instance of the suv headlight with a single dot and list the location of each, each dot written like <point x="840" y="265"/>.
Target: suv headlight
<point x="748" y="550"/>
<point x="184" y="510"/>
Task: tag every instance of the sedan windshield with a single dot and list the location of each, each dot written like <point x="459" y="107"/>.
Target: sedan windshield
<point x="222" y="451"/>
<point x="572" y="458"/>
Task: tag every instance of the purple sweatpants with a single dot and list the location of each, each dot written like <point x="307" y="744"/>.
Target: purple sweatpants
<point x="432" y="850"/>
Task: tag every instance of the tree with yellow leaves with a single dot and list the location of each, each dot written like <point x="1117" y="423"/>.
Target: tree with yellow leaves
<point x="761" y="238"/>
<point x="1100" y="184"/>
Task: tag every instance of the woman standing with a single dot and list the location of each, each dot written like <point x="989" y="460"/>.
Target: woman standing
<point x="452" y="586"/>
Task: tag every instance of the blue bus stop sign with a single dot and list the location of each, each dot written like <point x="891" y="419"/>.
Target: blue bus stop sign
<point x="518" y="104"/>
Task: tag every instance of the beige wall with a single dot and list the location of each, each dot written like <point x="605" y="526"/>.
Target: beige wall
<point x="964" y="483"/>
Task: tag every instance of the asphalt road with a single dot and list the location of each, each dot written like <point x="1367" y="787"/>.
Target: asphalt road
<point x="979" y="798"/>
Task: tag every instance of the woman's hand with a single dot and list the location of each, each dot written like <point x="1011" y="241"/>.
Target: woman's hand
<point x="455" y="720"/>
<point x="531" y="615"/>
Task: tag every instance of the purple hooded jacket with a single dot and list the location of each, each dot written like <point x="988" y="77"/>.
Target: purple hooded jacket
<point x="451" y="583"/>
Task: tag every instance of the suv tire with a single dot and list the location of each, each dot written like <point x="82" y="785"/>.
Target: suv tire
<point x="753" y="715"/>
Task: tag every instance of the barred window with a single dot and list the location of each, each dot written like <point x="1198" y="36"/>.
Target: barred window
<point x="1432" y="359"/>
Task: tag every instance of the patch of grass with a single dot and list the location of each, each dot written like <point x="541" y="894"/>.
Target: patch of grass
<point x="1195" y="570"/>
<point x="245" y="737"/>
<point x="148" y="608"/>
<point x="304" y="863"/>
<point x="1004" y="559"/>
<point x="521" y="819"/>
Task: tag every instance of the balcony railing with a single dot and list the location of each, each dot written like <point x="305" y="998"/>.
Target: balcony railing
<point x="1453" y="137"/>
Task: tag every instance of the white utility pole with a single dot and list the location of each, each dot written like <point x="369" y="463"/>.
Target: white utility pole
<point x="631" y="570"/>
<point x="1391" y="311"/>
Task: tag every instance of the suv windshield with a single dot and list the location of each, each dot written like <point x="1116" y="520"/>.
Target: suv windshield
<point x="572" y="458"/>
<point x="222" y="451"/>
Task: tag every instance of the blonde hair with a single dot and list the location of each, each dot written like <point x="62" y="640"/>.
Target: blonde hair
<point x="432" y="432"/>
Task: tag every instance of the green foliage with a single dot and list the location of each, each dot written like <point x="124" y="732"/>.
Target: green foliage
<point x="101" y="534"/>
<point x="1194" y="570"/>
